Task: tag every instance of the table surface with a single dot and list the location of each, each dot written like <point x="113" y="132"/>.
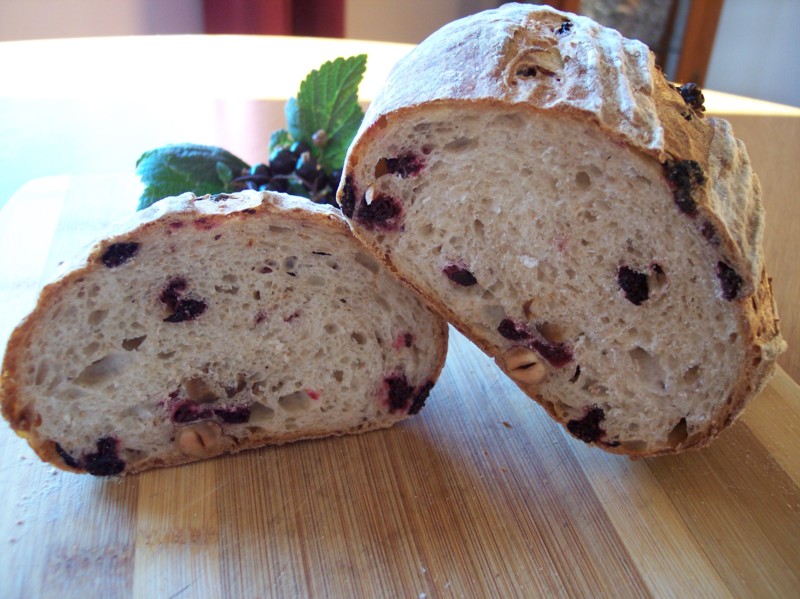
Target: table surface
<point x="479" y="495"/>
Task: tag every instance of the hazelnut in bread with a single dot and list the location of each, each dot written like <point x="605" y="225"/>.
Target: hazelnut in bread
<point x="535" y="177"/>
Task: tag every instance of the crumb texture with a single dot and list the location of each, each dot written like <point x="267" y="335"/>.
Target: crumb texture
<point x="219" y="327"/>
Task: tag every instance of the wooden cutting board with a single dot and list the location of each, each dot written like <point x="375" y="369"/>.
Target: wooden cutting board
<point x="481" y="495"/>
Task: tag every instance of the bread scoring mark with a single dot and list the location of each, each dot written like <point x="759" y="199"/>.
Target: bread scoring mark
<point x="684" y="177"/>
<point x="118" y="254"/>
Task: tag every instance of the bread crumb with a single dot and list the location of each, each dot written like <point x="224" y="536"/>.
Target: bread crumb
<point x="507" y="424"/>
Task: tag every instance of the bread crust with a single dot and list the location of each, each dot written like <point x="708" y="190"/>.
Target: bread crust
<point x="591" y="74"/>
<point x="186" y="209"/>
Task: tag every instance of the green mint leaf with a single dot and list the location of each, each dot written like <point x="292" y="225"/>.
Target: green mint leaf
<point x="224" y="173"/>
<point x="279" y="139"/>
<point x="328" y="101"/>
<point x="292" y="113"/>
<point x="175" y="169"/>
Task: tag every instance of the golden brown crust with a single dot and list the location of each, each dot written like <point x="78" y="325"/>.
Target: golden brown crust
<point x="24" y="420"/>
<point x="518" y="57"/>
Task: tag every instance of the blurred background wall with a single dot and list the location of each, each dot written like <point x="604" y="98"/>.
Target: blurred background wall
<point x="753" y="52"/>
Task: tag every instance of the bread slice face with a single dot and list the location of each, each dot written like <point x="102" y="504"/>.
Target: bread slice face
<point x="570" y="212"/>
<point x="212" y="325"/>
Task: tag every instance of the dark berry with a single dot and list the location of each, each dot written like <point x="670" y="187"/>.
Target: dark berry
<point x="335" y="178"/>
<point x="405" y="165"/>
<point x="399" y="392"/>
<point x="309" y="171"/>
<point x="684" y="176"/>
<point x="460" y="275"/>
<point x="587" y="429"/>
<point x="298" y="148"/>
<point x="118" y="254"/>
<point x="189" y="411"/>
<point x="709" y="232"/>
<point x="379" y="213"/>
<point x="348" y="198"/>
<point x="233" y="414"/>
<point x="510" y="330"/>
<point x="260" y="170"/>
<point x="693" y="96"/>
<point x="172" y="292"/>
<point x="278" y="184"/>
<point x="565" y="27"/>
<point x="104" y="462"/>
<point x="187" y="309"/>
<point x="731" y="281"/>
<point x="282" y="161"/>
<point x="66" y="457"/>
<point x="558" y="354"/>
<point x="633" y="284"/>
<point x="419" y="399"/>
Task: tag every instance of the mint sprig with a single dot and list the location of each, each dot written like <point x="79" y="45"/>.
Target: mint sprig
<point x="324" y="116"/>
<point x="176" y="169"/>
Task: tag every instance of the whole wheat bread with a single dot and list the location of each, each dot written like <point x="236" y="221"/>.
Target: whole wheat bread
<point x="535" y="177"/>
<point x="211" y="325"/>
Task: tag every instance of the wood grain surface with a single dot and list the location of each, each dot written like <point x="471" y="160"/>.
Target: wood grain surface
<point x="480" y="495"/>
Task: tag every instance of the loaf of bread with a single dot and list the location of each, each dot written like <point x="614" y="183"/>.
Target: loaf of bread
<point x="211" y="325"/>
<point x="535" y="177"/>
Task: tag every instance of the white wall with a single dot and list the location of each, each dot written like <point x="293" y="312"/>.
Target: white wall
<point x="757" y="50"/>
<point x="34" y="19"/>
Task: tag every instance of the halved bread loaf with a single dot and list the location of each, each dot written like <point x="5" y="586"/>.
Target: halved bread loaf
<point x="211" y="325"/>
<point x="539" y="182"/>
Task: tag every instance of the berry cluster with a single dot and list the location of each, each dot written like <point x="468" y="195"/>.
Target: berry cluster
<point x="294" y="170"/>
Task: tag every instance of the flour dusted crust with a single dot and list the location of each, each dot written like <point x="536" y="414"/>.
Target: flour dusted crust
<point x="538" y="65"/>
<point x="205" y="326"/>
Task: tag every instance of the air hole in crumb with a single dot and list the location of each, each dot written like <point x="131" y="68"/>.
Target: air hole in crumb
<point x="259" y="412"/>
<point x="165" y="355"/>
<point x="198" y="390"/>
<point x="298" y="401"/>
<point x="692" y="375"/>
<point x="649" y="368"/>
<point x="256" y="295"/>
<point x="582" y="180"/>
<point x="478" y="228"/>
<point x="367" y="262"/>
<point x="97" y="316"/>
<point x="338" y="375"/>
<point x="551" y="332"/>
<point x="133" y="343"/>
<point x="332" y="264"/>
<point x="358" y="338"/>
<point x="678" y="434"/>
<point x="331" y="328"/>
<point x="277" y="229"/>
<point x="102" y="370"/>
